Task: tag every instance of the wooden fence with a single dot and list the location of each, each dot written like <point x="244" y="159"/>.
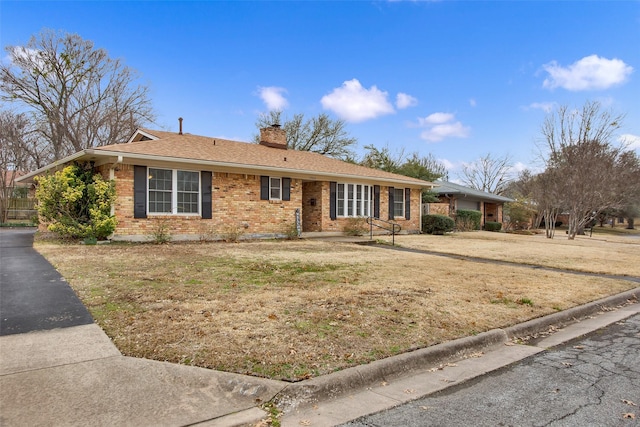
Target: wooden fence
<point x="24" y="208"/>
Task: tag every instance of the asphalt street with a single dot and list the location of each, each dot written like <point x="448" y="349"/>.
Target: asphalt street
<point x="33" y="295"/>
<point x="592" y="381"/>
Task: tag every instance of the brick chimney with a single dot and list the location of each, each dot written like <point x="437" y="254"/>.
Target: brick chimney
<point x="273" y="136"/>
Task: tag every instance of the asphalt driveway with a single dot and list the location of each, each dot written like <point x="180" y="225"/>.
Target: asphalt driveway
<point x="33" y="295"/>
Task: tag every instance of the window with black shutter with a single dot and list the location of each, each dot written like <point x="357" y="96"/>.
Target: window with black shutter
<point x="139" y="191"/>
<point x="407" y="203"/>
<point x="275" y="188"/>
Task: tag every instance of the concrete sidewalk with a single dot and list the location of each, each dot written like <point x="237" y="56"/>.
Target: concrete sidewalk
<point x="75" y="376"/>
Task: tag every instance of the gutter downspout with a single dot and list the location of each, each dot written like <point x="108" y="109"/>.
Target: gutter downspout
<point x="112" y="176"/>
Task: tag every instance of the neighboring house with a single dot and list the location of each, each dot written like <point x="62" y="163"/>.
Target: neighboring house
<point x="211" y="186"/>
<point x="454" y="196"/>
<point x="16" y="198"/>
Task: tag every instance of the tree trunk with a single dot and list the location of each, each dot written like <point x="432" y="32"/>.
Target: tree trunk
<point x="573" y="226"/>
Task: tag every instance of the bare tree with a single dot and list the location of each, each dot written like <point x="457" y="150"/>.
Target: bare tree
<point x="319" y="134"/>
<point x="488" y="173"/>
<point x="589" y="174"/>
<point x="13" y="157"/>
<point x="77" y="94"/>
<point x="548" y="197"/>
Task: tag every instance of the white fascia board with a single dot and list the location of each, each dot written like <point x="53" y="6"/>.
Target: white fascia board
<point x="143" y="133"/>
<point x="50" y="166"/>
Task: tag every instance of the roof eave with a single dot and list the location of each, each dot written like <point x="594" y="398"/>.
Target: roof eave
<point x="29" y="176"/>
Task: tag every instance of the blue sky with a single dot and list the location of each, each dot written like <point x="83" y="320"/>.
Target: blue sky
<point x="457" y="79"/>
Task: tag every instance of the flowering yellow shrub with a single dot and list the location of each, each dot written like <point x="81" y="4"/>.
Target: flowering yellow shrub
<point x="77" y="203"/>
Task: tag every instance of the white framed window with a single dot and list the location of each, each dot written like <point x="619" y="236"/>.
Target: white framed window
<point x="353" y="200"/>
<point x="275" y="188"/>
<point x="398" y="202"/>
<point x="173" y="191"/>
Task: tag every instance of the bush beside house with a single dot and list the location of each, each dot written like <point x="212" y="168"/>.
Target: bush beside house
<point x="468" y="220"/>
<point x="76" y="203"/>
<point x="437" y="224"/>
<point x="492" y="226"/>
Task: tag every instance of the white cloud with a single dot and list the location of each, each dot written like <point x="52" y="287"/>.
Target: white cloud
<point x="354" y="103"/>
<point x="631" y="141"/>
<point x="435" y="118"/>
<point x="24" y="54"/>
<point x="518" y="167"/>
<point x="273" y="97"/>
<point x="445" y="130"/>
<point x="589" y="73"/>
<point x="473" y="102"/>
<point x="405" y="101"/>
<point x="448" y="165"/>
<point x="440" y="126"/>
<point x="547" y="107"/>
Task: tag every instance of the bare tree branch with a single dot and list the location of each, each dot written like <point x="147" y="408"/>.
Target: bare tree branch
<point x="587" y="173"/>
<point x="320" y="134"/>
<point x="80" y="97"/>
<point x="488" y="173"/>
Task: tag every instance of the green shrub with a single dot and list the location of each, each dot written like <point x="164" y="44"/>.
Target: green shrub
<point x="437" y="224"/>
<point x="76" y="203"/>
<point x="467" y="220"/>
<point x="492" y="226"/>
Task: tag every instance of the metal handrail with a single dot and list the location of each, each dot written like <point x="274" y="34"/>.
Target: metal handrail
<point x="392" y="229"/>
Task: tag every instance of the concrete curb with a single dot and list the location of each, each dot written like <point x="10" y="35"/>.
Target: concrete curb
<point x="572" y="315"/>
<point x="335" y="384"/>
<point x="359" y="377"/>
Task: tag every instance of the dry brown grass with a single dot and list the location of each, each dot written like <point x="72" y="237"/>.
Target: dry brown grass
<point x="295" y="309"/>
<point x="601" y="253"/>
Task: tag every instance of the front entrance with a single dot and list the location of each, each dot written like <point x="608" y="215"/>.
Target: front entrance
<point x="312" y="205"/>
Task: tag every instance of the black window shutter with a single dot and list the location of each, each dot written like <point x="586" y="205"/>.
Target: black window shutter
<point x="205" y="183"/>
<point x="376" y="201"/>
<point x="333" y="194"/>
<point x="139" y="191"/>
<point x="286" y="189"/>
<point x="264" y="188"/>
<point x="391" y="199"/>
<point x="407" y="203"/>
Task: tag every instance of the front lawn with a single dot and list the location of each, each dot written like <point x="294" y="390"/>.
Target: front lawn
<point x="296" y="309"/>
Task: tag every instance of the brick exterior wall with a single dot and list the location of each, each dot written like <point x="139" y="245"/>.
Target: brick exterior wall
<point x="439" y="209"/>
<point x="312" y="206"/>
<point x="492" y="212"/>
<point x="318" y="218"/>
<point x="237" y="209"/>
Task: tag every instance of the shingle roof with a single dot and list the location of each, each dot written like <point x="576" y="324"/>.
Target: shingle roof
<point x="444" y="187"/>
<point x="242" y="155"/>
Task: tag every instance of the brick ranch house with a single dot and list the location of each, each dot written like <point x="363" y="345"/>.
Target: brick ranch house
<point x="209" y="186"/>
<point x="454" y="196"/>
